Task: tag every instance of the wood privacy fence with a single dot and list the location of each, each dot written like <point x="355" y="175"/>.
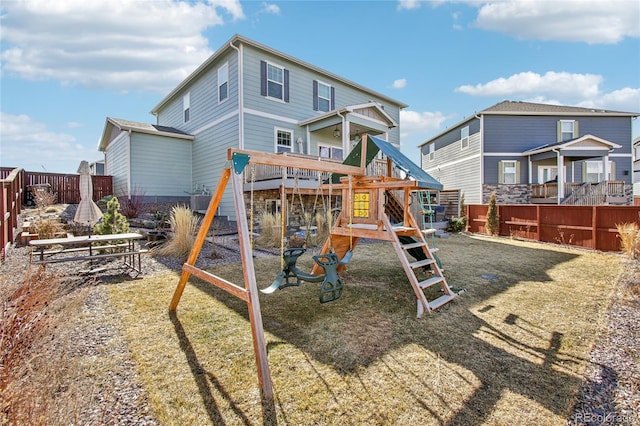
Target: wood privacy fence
<point x="11" y="187"/>
<point x="65" y="186"/>
<point x="592" y="227"/>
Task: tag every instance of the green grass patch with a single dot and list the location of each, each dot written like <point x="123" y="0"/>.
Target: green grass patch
<point x="509" y="348"/>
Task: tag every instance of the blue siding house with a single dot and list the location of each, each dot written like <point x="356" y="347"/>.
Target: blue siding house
<point x="247" y="96"/>
<point x="536" y="153"/>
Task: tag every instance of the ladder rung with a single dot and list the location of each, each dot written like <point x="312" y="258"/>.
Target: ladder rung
<point x="431" y="281"/>
<point x="435" y="304"/>
<point x="402" y="229"/>
<point x="413" y="245"/>
<point x="435" y="249"/>
<point x="429" y="231"/>
<point x="423" y="262"/>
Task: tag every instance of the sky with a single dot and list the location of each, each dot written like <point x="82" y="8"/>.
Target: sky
<point x="67" y="65"/>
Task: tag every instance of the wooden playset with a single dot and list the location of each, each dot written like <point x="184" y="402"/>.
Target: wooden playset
<point x="374" y="207"/>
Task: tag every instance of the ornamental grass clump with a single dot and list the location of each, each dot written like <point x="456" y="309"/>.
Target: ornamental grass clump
<point x="629" y="235"/>
<point x="270" y="226"/>
<point x="184" y="226"/>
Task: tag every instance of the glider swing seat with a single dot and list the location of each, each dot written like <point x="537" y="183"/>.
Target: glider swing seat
<point x="331" y="288"/>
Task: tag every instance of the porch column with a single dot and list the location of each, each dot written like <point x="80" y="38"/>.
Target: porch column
<point x="346" y="146"/>
<point x="605" y="167"/>
<point x="561" y="177"/>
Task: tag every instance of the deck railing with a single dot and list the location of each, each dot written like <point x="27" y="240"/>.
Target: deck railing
<point x="268" y="172"/>
<point x="581" y="193"/>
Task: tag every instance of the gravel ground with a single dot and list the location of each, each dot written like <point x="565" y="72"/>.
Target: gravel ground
<point x="610" y="394"/>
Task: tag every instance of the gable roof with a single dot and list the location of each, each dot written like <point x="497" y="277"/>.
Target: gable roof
<point x="119" y="125"/>
<point x="581" y="143"/>
<point x="390" y="122"/>
<point x="237" y="40"/>
<point x="533" y="109"/>
<point x="526" y="108"/>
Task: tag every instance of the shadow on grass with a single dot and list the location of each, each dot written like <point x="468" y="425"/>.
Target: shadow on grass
<point x="373" y="318"/>
<point x="205" y="380"/>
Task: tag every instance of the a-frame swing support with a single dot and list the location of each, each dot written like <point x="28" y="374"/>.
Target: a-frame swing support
<point x="237" y="161"/>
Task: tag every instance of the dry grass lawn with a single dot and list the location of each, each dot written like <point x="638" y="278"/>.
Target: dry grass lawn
<point x="508" y="351"/>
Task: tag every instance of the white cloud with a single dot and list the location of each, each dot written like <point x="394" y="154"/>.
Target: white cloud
<point x="408" y="4"/>
<point x="413" y="122"/>
<point x="559" y="88"/>
<point x="120" y="44"/>
<point x="563" y="84"/>
<point x="29" y="144"/>
<point x="271" y="8"/>
<point x="595" y="21"/>
<point x="400" y="83"/>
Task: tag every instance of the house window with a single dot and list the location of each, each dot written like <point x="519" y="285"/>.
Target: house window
<point x="323" y="97"/>
<point x="432" y="151"/>
<point x="325" y="151"/>
<point x="223" y="82"/>
<point x="464" y="137"/>
<point x="283" y="140"/>
<point x="186" y="106"/>
<point x="547" y="173"/>
<point x="567" y="130"/>
<point x="594" y="171"/>
<point x="272" y="206"/>
<point x="274" y="81"/>
<point x="508" y="172"/>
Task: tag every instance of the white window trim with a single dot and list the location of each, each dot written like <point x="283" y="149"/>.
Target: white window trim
<point x="464" y="138"/>
<point x="601" y="172"/>
<point x="573" y="129"/>
<point x="431" y="155"/>
<point x="220" y="83"/>
<point x="503" y="164"/>
<point x="322" y="97"/>
<point x="186" y="107"/>
<point x="331" y="147"/>
<point x="281" y="83"/>
<point x="275" y="138"/>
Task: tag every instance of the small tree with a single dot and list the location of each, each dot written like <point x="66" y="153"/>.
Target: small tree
<point x="493" y="222"/>
<point x="113" y="222"/>
<point x="463" y="207"/>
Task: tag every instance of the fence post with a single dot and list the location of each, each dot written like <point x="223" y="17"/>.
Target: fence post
<point x="594" y="229"/>
<point x="538" y="230"/>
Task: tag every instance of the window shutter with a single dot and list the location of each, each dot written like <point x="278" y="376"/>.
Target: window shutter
<point x="584" y="171"/>
<point x="558" y="131"/>
<point x="333" y="98"/>
<point x="286" y="85"/>
<point x="575" y="129"/>
<point x="315" y="95"/>
<point x="500" y="172"/>
<point x="263" y="78"/>
<point x="517" y="172"/>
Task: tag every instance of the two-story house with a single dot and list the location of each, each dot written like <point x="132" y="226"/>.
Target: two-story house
<point x="247" y="96"/>
<point x="535" y="153"/>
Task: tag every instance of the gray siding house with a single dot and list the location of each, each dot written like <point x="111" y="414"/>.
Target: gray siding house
<point x="247" y="96"/>
<point x="535" y="153"/>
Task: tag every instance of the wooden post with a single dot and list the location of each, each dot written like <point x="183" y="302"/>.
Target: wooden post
<point x="594" y="227"/>
<point x="255" y="316"/>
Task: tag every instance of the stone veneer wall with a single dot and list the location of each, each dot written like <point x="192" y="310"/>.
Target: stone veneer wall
<point x="507" y="194"/>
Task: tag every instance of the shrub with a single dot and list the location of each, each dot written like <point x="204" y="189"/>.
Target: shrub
<point x="44" y="199"/>
<point x="493" y="221"/>
<point x="46" y="228"/>
<point x="463" y="207"/>
<point x="184" y="226"/>
<point x="132" y="207"/>
<point x="629" y="235"/>
<point x="457" y="224"/>
<point x="112" y="222"/>
<point x="270" y="230"/>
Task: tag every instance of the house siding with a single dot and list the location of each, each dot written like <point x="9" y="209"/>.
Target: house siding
<point x="456" y="168"/>
<point x="162" y="166"/>
<point x="117" y="163"/>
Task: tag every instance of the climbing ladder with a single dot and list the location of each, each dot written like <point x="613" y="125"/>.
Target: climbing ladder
<point x="427" y="212"/>
<point x="409" y="241"/>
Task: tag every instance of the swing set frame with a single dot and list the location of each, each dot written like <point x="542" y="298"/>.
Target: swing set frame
<point x="349" y="227"/>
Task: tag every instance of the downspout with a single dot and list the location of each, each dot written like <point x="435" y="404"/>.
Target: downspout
<point x="240" y="97"/>
<point x="129" y="162"/>
<point x="561" y="176"/>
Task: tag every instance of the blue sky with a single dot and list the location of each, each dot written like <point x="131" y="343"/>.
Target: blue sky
<point x="66" y="65"/>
